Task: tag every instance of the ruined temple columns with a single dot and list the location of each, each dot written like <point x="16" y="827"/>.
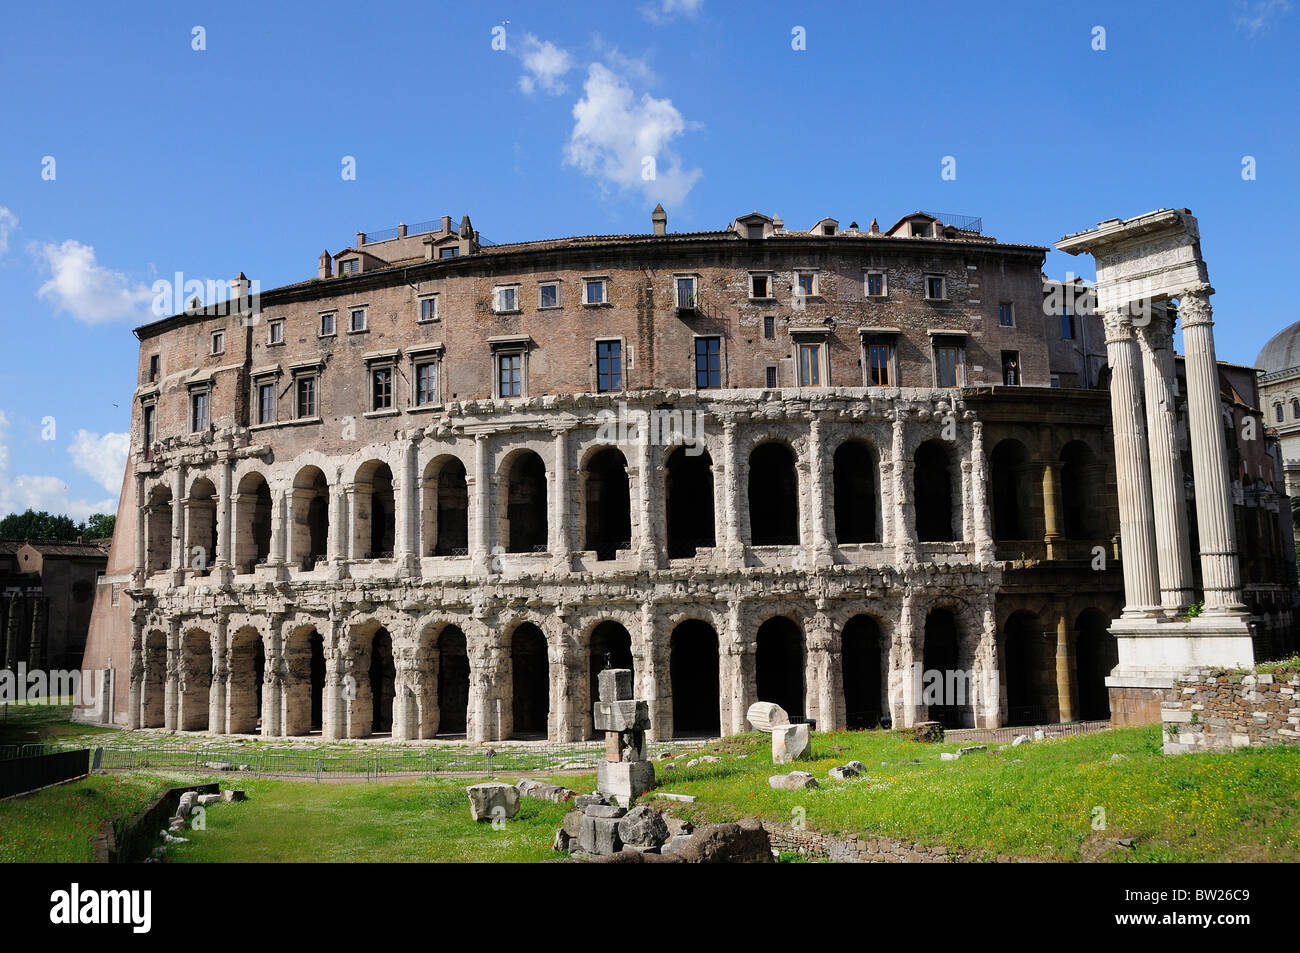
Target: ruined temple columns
<point x="1220" y="572"/>
<point x="1172" y="543"/>
<point x="1133" y="476"/>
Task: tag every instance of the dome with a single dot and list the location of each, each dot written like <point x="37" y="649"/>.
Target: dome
<point x="1282" y="351"/>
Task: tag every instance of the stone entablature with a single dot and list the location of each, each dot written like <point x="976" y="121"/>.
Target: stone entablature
<point x="1212" y="709"/>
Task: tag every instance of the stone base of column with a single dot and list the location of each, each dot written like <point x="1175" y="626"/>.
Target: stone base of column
<point x="1153" y="653"/>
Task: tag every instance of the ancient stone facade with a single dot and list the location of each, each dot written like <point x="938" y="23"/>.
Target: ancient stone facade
<point x="1211" y="709"/>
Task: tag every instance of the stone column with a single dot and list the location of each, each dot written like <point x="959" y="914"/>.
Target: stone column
<point x="823" y="673"/>
<point x="820" y="549"/>
<point x="171" y="688"/>
<point x="1065" y="672"/>
<point x="1220" y="572"/>
<point x="220" y="675"/>
<point x="1133" y="476"/>
<point x="984" y="549"/>
<point x="558" y="541"/>
<point x="736" y="691"/>
<point x="178" y="526"/>
<point x="646" y="664"/>
<point x="904" y="526"/>
<point x="273" y="679"/>
<point x="647" y="484"/>
<point x="731" y="505"/>
<point x="904" y="679"/>
<point x="1173" y="553"/>
<point x="1051" y="519"/>
<point x="225" y="552"/>
<point x="406" y="501"/>
<point x="135" y="673"/>
<point x="141" y="527"/>
<point x="480" y="492"/>
<point x="986" y="707"/>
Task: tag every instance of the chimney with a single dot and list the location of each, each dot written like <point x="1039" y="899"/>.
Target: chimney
<point x="778" y="225"/>
<point x="239" y="288"/>
<point x="874" y="229"/>
<point x="659" y="218"/>
<point x="325" y="264"/>
<point x="361" y="239"/>
<point x="401" y="230"/>
<point x="446" y="224"/>
<point x="468" y="238"/>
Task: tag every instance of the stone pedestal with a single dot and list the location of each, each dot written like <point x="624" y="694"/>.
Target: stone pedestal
<point x="626" y="773"/>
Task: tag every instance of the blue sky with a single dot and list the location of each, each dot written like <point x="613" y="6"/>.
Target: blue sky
<point x="229" y="158"/>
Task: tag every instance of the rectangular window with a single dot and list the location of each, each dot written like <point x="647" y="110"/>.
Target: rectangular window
<point x="306" y="397"/>
<point x="708" y="362"/>
<point x="934" y="289"/>
<point x="769" y="326"/>
<point x="946" y="360"/>
<point x="771" y="376"/>
<point x="510" y="375"/>
<point x="878" y="362"/>
<point x="147" y="426"/>
<point x="507" y="299"/>
<point x="429" y="308"/>
<point x="875" y="284"/>
<point x="218" y="342"/>
<point x="198" y="411"/>
<point x="1055" y="381"/>
<point x="265" y="403"/>
<point x="686" y="293"/>
<point x="381" y="388"/>
<point x="609" y="366"/>
<point x="810" y="365"/>
<point x="153" y="367"/>
<point x="426" y="383"/>
<point x="358" y="320"/>
<point x="276" y="332"/>
<point x="1006" y="315"/>
<point x="1067" y="325"/>
<point x="594" y="291"/>
<point x="350" y="266"/>
<point x="1011" y="368"/>
<point x="759" y="286"/>
<point x="327" y="325"/>
<point x="548" y="296"/>
<point x="450" y="252"/>
<point x="807" y="284"/>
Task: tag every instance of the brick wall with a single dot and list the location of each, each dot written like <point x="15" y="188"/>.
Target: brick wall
<point x="1208" y="710"/>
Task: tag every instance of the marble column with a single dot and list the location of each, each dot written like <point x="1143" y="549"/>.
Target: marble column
<point x="1173" y="553"/>
<point x="406" y="496"/>
<point x="1133" y="474"/>
<point x="1220" y="571"/>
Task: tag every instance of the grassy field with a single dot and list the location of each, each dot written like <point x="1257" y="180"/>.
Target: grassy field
<point x="28" y="723"/>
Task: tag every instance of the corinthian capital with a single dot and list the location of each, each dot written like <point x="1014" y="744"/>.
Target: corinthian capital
<point x="1119" y="326"/>
<point x="1158" y="333"/>
<point x="1194" y="306"/>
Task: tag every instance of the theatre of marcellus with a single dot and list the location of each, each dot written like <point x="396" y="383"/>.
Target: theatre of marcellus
<point x="431" y="491"/>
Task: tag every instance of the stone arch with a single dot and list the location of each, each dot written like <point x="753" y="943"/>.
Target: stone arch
<point x="606" y="502"/>
<point x="252" y="520"/>
<point x="246" y="662"/>
<point x="452" y="681"/>
<point x="688" y="502"/>
<point x="304" y="688"/>
<point x="530" y="681"/>
<point x="947" y="688"/>
<point x="855" y="480"/>
<point x="195" y="683"/>
<point x="864" y="665"/>
<point x="153" y="679"/>
<point x="374" y="511"/>
<point x="444" y="510"/>
<point x="779" y="661"/>
<point x="158" y="529"/>
<point x="1028" y="670"/>
<point x="523" y="517"/>
<point x="693" y="666"/>
<point x="310" y="513"/>
<point x="1011" y="490"/>
<point x="607" y="638"/>
<point x="936" y="492"/>
<point x="201" y="520"/>
<point x="773" y="482"/>
<point x="1096" y="655"/>
<point x="369" y="678"/>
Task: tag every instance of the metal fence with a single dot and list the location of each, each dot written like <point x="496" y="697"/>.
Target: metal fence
<point x="27" y="772"/>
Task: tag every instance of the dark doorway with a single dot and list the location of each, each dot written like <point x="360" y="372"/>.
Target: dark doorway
<point x="773" y="496"/>
<point x="526" y="504"/>
<point x="933" y="486"/>
<point x="1009" y="479"/>
<point x="779" y="665"/>
<point x="688" y="503"/>
<point x="608" y="504"/>
<point x="855" y="493"/>
<point x="383" y="513"/>
<point x="861" y="663"/>
<point x="445" y="508"/>
<point x="531" y="682"/>
<point x="1030" y="671"/>
<point x="453" y="682"/>
<point x="382" y="675"/>
<point x="1096" y="654"/>
<point x="693" y="670"/>
<point x="1079" y="511"/>
<point x="946" y="688"/>
<point x="317" y="644"/>
<point x="608" y="638"/>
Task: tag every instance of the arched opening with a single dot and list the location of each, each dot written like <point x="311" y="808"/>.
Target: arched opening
<point x="1096" y="654"/>
<point x="1081" y="516"/>
<point x="773" y="496"/>
<point x="453" y="681"/>
<point x="304" y="690"/>
<point x="247" y="664"/>
<point x="445" y="509"/>
<point x="693" y="671"/>
<point x="524" y="491"/>
<point x="946" y="687"/>
<point x="310" y="531"/>
<point x="607" y="504"/>
<point x="252" y="516"/>
<point x="158" y="530"/>
<point x="861" y="647"/>
<point x="933" y="493"/>
<point x="195" y="681"/>
<point x="530" y="682"/>
<point x="688" y="502"/>
<point x="856" y="500"/>
<point x="1011" y="490"/>
<point x="375" y="512"/>
<point x="609" y="642"/>
<point x="779" y="665"/>
<point x="1029" y="670"/>
<point x="153" y="683"/>
<point x="201" y="517"/>
<point x="382" y="676"/>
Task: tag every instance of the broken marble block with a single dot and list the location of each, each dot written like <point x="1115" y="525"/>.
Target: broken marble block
<point x="599" y="835"/>
<point x="790" y="743"/>
<point x="613" y="684"/>
<point x="624" y="781"/>
<point x="765" y="716"/>
<point x="794" y="781"/>
<point x="492" y="800"/>
<point x="622" y="715"/>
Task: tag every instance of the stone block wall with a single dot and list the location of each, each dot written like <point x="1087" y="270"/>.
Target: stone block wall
<point x="852" y="850"/>
<point x="1210" y="710"/>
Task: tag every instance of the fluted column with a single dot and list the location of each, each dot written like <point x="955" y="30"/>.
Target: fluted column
<point x="1132" y="466"/>
<point x="904" y="526"/>
<point x="1220" y="572"/>
<point x="1173" y="551"/>
<point x="984" y="549"/>
<point x="821" y="547"/>
<point x="406" y="497"/>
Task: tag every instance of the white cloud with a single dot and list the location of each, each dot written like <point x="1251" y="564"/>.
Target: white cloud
<point x="626" y="142"/>
<point x="8" y="222"/>
<point x="88" y="291"/>
<point x="545" y="64"/>
<point x="26" y="491"/>
<point x="104" y="458"/>
<point x="1257" y="17"/>
<point x="667" y="10"/>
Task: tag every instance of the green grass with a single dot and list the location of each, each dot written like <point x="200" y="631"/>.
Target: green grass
<point x="24" y="723"/>
<point x="59" y="824"/>
<point x="301" y="821"/>
<point x="1036" y="800"/>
